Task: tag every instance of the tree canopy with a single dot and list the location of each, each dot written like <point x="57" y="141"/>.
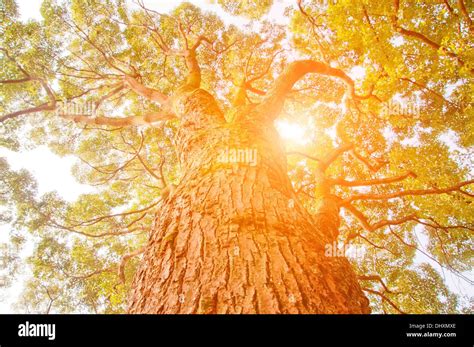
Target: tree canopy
<point x="386" y="103"/>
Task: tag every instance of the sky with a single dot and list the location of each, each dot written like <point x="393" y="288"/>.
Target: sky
<point x="30" y="9"/>
<point x="53" y="173"/>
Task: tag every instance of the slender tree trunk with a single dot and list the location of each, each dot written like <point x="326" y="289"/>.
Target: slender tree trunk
<point x="232" y="237"/>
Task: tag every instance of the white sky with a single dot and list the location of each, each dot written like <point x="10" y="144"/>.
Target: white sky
<point x="54" y="173"/>
<point x="30" y="9"/>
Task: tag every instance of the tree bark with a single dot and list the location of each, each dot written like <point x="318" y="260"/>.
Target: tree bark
<point x="232" y="237"/>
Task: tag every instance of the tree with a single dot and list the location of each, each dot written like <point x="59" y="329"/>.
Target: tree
<point x="199" y="200"/>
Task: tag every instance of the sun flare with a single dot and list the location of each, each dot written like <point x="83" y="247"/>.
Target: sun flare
<point x="292" y="132"/>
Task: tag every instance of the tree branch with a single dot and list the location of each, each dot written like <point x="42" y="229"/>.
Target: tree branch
<point x="274" y="100"/>
<point x="124" y="261"/>
<point x="149" y="93"/>
<point x="362" y="183"/>
<point x="90" y="274"/>
<point x="375" y="278"/>
<point x="384" y="298"/>
<point x="105" y="234"/>
<point x="465" y="13"/>
<point x="422" y="37"/>
<point x="48" y="106"/>
<point x="40" y="108"/>
<point x="332" y="156"/>
<point x="303" y="155"/>
<point x="373" y="168"/>
<point x="193" y="78"/>
<point x="410" y="192"/>
<point x="121" y="122"/>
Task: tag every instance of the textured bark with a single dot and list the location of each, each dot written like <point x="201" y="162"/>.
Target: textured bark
<point x="232" y="237"/>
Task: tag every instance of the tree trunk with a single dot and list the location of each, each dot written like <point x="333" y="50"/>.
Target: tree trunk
<point x="232" y="237"/>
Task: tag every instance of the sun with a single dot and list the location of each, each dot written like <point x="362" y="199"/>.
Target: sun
<point x="292" y="132"/>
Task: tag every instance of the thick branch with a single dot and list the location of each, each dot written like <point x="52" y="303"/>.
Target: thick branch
<point x="293" y="73"/>
<point x="332" y="156"/>
<point x="149" y="93"/>
<point x="21" y="80"/>
<point x="40" y="108"/>
<point x="193" y="78"/>
<point x="123" y="262"/>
